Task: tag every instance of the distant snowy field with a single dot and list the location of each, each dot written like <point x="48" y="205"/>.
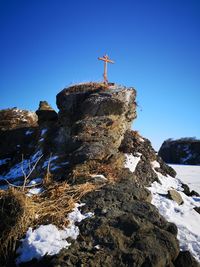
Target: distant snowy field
<point x="189" y="174"/>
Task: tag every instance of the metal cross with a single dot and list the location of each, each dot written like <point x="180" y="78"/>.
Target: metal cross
<point x="106" y="60"/>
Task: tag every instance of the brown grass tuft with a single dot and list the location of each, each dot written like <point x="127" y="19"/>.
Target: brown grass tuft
<point x="16" y="214"/>
<point x="19" y="211"/>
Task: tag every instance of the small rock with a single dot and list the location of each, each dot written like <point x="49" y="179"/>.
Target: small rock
<point x="174" y="195"/>
<point x="186" y="189"/>
<point x="194" y="193"/>
<point x="197" y="209"/>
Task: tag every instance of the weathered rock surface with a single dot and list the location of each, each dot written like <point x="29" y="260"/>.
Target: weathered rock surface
<point x="181" y="151"/>
<point x="95" y="119"/>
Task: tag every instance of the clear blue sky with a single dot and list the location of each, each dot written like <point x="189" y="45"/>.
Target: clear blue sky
<point x="48" y="44"/>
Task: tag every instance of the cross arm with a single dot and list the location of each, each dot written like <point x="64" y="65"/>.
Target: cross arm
<point x="106" y="60"/>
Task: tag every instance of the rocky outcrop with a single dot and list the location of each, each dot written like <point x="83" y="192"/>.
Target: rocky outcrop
<point x="15" y="118"/>
<point x="125" y="230"/>
<point x="135" y="144"/>
<point x="46" y="113"/>
<point x="184" y="259"/>
<point x="90" y="139"/>
<point x="18" y="130"/>
<point x="181" y="151"/>
<point x="95" y="119"/>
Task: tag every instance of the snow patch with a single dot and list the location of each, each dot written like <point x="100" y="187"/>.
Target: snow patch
<point x="141" y="139"/>
<point x="25" y="165"/>
<point x="35" y="181"/>
<point x="4" y="161"/>
<point x="49" y="161"/>
<point x="35" y="191"/>
<point x="132" y="161"/>
<point x="43" y="132"/>
<point x="29" y="132"/>
<point x="48" y="239"/>
<point x="155" y="164"/>
<point x="98" y="177"/>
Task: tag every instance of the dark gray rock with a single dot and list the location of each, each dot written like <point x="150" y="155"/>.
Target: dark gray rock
<point x="194" y="193"/>
<point x="181" y="151"/>
<point x="185" y="259"/>
<point x="186" y="189"/>
<point x="45" y="113"/>
<point x="197" y="209"/>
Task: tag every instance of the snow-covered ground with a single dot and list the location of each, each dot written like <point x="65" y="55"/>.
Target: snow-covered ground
<point x="189" y="174"/>
<point x="184" y="216"/>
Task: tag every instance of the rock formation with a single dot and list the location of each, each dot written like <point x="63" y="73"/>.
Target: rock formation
<point x="181" y="151"/>
<point x="45" y="113"/>
<point x="15" y="118"/>
<point x="90" y="139"/>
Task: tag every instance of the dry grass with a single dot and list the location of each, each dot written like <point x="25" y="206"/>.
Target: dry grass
<point x="83" y="87"/>
<point x="58" y="201"/>
<point x="19" y="211"/>
<point x="109" y="172"/>
<point x="84" y="172"/>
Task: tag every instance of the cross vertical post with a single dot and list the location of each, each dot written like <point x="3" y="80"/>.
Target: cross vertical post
<point x="106" y="60"/>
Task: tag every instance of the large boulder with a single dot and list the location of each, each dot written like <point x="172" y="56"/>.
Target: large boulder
<point x="95" y="119"/>
<point x="181" y="151"/>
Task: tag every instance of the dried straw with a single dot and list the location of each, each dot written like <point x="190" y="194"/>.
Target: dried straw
<point x="19" y="211"/>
